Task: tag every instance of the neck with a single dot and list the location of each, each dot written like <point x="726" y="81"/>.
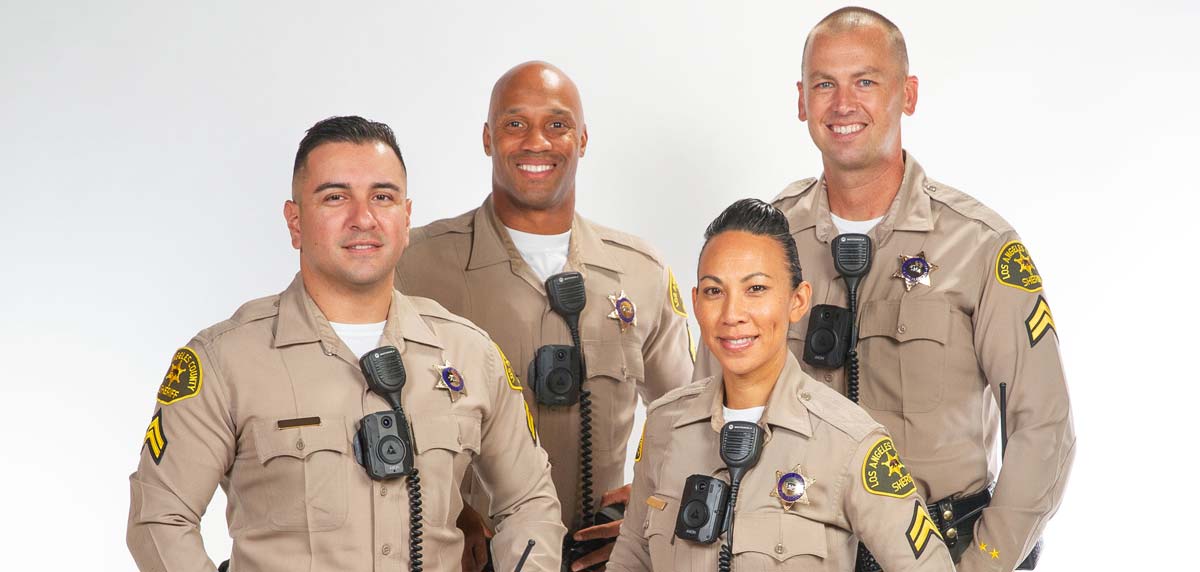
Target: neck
<point x="752" y="389"/>
<point x="556" y="219"/>
<point x="348" y="304"/>
<point x="864" y="194"/>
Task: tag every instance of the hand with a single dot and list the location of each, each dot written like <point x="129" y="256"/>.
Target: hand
<point x="475" y="536"/>
<point x="607" y="530"/>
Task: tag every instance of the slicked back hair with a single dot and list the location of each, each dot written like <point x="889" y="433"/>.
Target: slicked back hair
<point x="345" y="129"/>
<point x="761" y="219"/>
<point x="850" y="17"/>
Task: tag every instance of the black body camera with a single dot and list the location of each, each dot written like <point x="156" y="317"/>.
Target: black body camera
<point x="554" y="373"/>
<point x="828" y="337"/>
<point x="383" y="443"/>
<point x="702" y="509"/>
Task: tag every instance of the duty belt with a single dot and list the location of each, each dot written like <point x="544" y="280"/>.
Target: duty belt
<point x="954" y="518"/>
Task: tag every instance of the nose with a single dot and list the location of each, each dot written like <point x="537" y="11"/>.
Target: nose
<point x="536" y="142"/>
<point x="845" y="100"/>
<point x="733" y="311"/>
<point x="361" y="216"/>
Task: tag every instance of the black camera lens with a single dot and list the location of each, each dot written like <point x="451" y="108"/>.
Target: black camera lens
<point x="702" y="486"/>
<point x="386" y="422"/>
<point x="560" y="355"/>
<point x="391" y="450"/>
<point x="823" y="341"/>
<point x="695" y="514"/>
<point x="826" y="315"/>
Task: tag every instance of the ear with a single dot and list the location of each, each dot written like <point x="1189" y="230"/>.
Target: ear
<point x="291" y="214"/>
<point x="408" y="214"/>
<point x="695" y="294"/>
<point x="799" y="300"/>
<point x="583" y="141"/>
<point x="487" y="140"/>
<point x="910" y="94"/>
<point x="802" y="112"/>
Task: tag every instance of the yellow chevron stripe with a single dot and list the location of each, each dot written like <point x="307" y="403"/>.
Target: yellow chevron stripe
<point x="155" y="439"/>
<point x="1039" y="321"/>
<point x="920" y="530"/>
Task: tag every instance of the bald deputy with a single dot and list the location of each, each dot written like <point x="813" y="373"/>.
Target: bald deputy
<point x="490" y="264"/>
<point x="266" y="404"/>
<point x="952" y="308"/>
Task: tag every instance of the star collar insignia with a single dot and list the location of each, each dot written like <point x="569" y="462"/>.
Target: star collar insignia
<point x="451" y="380"/>
<point x="624" y="310"/>
<point x="791" y="487"/>
<point x="914" y="270"/>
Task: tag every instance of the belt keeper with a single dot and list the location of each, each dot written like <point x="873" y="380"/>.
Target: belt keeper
<point x="946" y="511"/>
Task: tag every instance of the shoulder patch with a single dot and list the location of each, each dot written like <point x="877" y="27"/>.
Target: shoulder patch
<point x="921" y="529"/>
<point x="641" y="442"/>
<point x="677" y="300"/>
<point x="184" y="378"/>
<point x="1040" y="322"/>
<point x="883" y="474"/>
<point x="529" y="422"/>
<point x="678" y="393"/>
<point x="513" y="381"/>
<point x="1015" y="268"/>
<point x="156" y="439"/>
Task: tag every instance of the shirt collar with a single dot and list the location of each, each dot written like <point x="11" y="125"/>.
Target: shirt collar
<point x="785" y="406"/>
<point x="491" y="243"/>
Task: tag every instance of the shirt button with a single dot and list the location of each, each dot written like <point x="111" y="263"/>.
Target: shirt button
<point x="387" y="549"/>
<point x="901" y="329"/>
<point x="806" y="396"/>
<point x="383" y="491"/>
<point x="779" y="549"/>
<point x="299" y="444"/>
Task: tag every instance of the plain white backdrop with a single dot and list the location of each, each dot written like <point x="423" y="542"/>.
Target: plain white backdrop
<point x="146" y="152"/>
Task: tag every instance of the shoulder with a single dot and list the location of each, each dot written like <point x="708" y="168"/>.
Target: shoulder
<point x="444" y="229"/>
<point x="445" y="322"/>
<point x="793" y="191"/>
<point x="626" y="245"/>
<point x="246" y="316"/>
<point x="966" y="206"/>
<point x="840" y="413"/>
<point x="678" y="398"/>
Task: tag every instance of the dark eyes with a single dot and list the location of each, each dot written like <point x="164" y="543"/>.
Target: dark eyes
<point x="865" y="83"/>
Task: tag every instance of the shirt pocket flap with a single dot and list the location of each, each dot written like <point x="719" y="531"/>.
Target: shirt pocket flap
<point x="450" y="433"/>
<point x="907" y="320"/>
<point x="780" y="536"/>
<point x="300" y="442"/>
<point x="606" y="359"/>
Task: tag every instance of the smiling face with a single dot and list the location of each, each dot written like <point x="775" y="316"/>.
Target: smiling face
<point x="535" y="136"/>
<point x="853" y="94"/>
<point x="350" y="215"/>
<point x="745" y="302"/>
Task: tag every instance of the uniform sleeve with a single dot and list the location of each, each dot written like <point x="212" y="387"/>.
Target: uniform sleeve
<point x="886" y="511"/>
<point x="1016" y="343"/>
<point x="515" y="474"/>
<point x="188" y="448"/>
<point x="632" y="549"/>
<point x="667" y="353"/>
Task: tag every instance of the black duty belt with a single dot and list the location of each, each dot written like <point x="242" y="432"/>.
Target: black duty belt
<point x="955" y="518"/>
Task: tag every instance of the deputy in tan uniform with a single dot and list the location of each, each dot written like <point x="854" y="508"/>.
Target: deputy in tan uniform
<point x="490" y="265"/>
<point x="828" y="474"/>
<point x="266" y="403"/>
<point x="952" y="307"/>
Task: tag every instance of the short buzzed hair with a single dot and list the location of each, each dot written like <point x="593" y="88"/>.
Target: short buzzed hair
<point x="850" y="17"/>
<point x="345" y="129"/>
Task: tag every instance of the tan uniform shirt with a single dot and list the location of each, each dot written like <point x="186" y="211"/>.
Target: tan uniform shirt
<point x="470" y="265"/>
<point x="266" y="405"/>
<point x="850" y="489"/>
<point x="932" y="357"/>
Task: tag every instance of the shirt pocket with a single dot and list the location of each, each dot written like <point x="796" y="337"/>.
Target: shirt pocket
<point x="445" y="446"/>
<point x="612" y="379"/>
<point x="902" y="350"/>
<point x="305" y="474"/>
<point x="782" y="540"/>
<point x="659" y="530"/>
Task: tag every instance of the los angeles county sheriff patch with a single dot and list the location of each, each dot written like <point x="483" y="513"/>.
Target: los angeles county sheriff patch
<point x="184" y="378"/>
<point x="673" y="292"/>
<point x="884" y="474"/>
<point x="513" y="381"/>
<point x="1015" y="268"/>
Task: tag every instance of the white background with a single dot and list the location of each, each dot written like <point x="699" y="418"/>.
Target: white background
<point x="146" y="152"/>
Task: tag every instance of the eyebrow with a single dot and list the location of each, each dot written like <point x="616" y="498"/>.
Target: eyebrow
<point x="869" y="70"/>
<point x="346" y="186"/>
<point x="520" y="110"/>
<point x="745" y="278"/>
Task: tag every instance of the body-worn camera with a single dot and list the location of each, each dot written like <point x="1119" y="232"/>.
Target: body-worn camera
<point x="554" y="371"/>
<point x="703" y="509"/>
<point x="383" y="445"/>
<point x="574" y="550"/>
<point x="828" y="338"/>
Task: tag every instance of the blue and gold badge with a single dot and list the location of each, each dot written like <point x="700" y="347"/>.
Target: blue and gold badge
<point x="451" y="380"/>
<point x="791" y="487"/>
<point x="624" y="310"/>
<point x="914" y="270"/>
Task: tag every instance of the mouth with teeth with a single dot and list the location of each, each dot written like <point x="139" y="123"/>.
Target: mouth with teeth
<point x="735" y="345"/>
<point x="359" y="247"/>
<point x="536" y="170"/>
<point x="846" y="131"/>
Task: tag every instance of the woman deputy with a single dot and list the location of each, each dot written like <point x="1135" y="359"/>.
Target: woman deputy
<point x="826" y="475"/>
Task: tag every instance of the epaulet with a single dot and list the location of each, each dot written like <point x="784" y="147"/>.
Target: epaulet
<point x="678" y="393"/>
<point x="794" y="190"/>
<point x="966" y="205"/>
<point x="432" y="309"/>
<point x="459" y="224"/>
<point x="252" y="311"/>
<point x="839" y="412"/>
<point x="626" y="241"/>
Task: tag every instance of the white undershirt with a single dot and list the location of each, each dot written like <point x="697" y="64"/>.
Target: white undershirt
<point x="544" y="253"/>
<point x="360" y="338"/>
<point x="751" y="415"/>
<point x="859" y="226"/>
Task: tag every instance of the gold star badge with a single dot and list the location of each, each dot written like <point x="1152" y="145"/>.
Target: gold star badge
<point x="914" y="270"/>
<point x="624" y="310"/>
<point x="791" y="487"/>
<point x="451" y="380"/>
